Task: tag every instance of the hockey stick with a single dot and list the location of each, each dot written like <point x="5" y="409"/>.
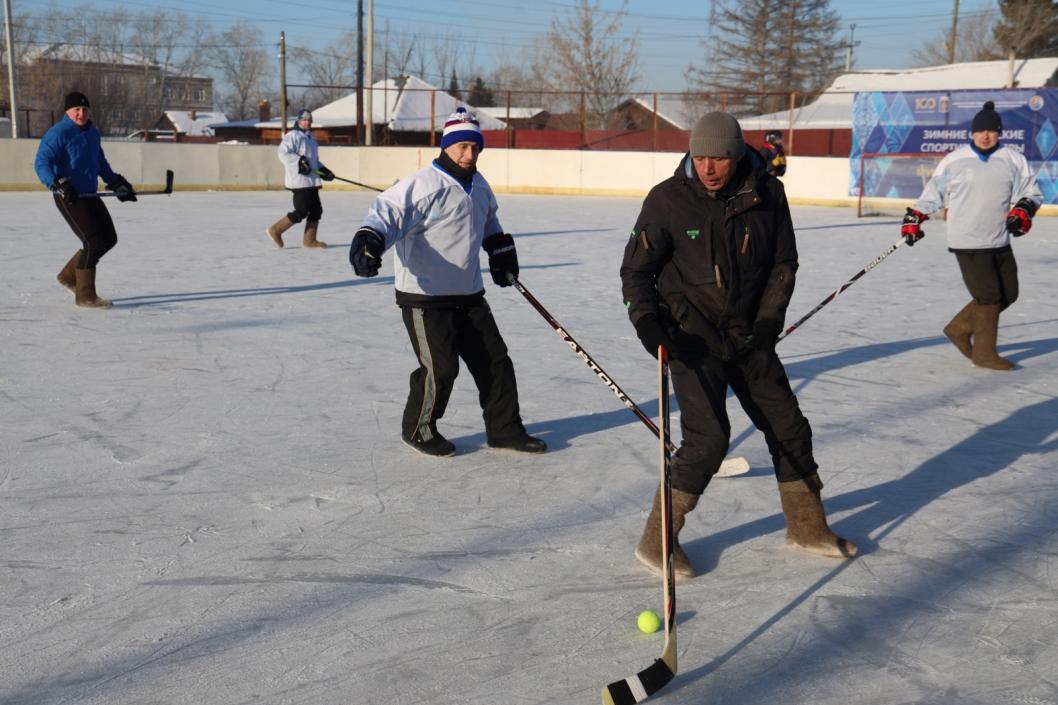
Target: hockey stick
<point x="164" y="192"/>
<point x="355" y="183"/>
<point x="871" y="265"/>
<point x="653" y="678"/>
<point x="739" y="461"/>
<point x="735" y="466"/>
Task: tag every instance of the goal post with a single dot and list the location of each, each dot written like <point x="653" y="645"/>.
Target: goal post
<point x="889" y="183"/>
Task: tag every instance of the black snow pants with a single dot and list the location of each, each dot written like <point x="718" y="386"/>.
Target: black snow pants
<point x="306" y="205"/>
<point x="443" y="336"/>
<point x="91" y="223"/>
<point x="991" y="276"/>
<point x="759" y="381"/>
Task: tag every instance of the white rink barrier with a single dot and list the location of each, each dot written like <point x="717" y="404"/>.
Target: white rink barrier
<point x="809" y="180"/>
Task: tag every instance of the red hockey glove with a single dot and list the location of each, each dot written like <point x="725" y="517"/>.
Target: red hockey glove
<point x="911" y="230"/>
<point x="1019" y="219"/>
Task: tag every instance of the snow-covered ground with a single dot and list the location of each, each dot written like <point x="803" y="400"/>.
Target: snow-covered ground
<point x="204" y="497"/>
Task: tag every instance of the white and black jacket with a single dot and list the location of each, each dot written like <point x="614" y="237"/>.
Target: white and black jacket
<point x="296" y="144"/>
<point x="436" y="226"/>
<point x="978" y="191"/>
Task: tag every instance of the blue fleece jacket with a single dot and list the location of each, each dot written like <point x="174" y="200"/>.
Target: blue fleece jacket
<point x="76" y="153"/>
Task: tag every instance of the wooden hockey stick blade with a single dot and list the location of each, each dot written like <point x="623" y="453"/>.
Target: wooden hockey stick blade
<point x="639" y="687"/>
<point x="164" y="192"/>
<point x="733" y="466"/>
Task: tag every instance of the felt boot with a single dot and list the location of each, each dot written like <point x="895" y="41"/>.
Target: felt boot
<point x="85" y="293"/>
<point x="960" y="328"/>
<point x="986" y="330"/>
<point x="67" y="277"/>
<point x="649" y="550"/>
<point x="276" y="230"/>
<point x="806" y="524"/>
<point x="309" y="239"/>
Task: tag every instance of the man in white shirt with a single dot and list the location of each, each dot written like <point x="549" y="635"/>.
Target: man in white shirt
<point x="436" y="220"/>
<point x="991" y="195"/>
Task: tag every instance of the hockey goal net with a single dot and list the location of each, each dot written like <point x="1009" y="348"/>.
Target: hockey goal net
<point x="889" y="183"/>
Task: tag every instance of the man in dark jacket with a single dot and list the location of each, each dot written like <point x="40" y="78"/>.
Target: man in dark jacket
<point x="708" y="273"/>
<point x="70" y="162"/>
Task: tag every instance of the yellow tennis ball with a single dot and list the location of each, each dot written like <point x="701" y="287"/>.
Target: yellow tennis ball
<point x="648" y="621"/>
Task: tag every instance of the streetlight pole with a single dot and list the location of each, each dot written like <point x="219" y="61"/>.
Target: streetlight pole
<point x="11" y="67"/>
<point x="368" y="123"/>
<point x="282" y="83"/>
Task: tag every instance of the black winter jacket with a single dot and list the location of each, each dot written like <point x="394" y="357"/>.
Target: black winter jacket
<point x="710" y="265"/>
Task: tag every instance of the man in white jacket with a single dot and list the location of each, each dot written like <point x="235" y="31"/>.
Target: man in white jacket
<point x="991" y="196"/>
<point x="436" y="220"/>
<point x="300" y="154"/>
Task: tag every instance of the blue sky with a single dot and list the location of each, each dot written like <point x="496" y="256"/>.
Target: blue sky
<point x="485" y="32"/>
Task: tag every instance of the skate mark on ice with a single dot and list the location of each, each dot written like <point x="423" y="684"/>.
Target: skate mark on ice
<point x="353" y="579"/>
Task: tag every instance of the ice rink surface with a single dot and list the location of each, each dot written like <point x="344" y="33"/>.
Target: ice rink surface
<point x="204" y="498"/>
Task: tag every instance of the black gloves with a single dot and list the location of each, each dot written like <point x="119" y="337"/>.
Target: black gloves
<point x="303" y="166"/>
<point x="122" y="189"/>
<point x="65" y="189"/>
<point x="910" y="229"/>
<point x="765" y="335"/>
<point x="652" y="333"/>
<point x="503" y="258"/>
<point x="325" y="173"/>
<point x="1019" y="219"/>
<point x="365" y="254"/>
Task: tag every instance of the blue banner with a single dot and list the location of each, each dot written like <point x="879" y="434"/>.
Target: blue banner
<point x="937" y="122"/>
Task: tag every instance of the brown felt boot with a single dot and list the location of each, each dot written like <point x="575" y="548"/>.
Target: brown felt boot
<point x="806" y="524"/>
<point x="310" y="235"/>
<point x="960" y="328"/>
<point x="986" y="329"/>
<point x="649" y="550"/>
<point x="67" y="277"/>
<point x="276" y="230"/>
<point x="85" y="295"/>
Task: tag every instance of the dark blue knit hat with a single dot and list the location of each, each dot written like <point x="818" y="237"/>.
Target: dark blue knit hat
<point x="987" y="120"/>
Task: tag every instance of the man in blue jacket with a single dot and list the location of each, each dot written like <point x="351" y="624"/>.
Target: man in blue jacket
<point x="70" y="162"/>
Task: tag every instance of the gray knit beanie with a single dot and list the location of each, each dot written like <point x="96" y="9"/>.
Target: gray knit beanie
<point x="717" y="134"/>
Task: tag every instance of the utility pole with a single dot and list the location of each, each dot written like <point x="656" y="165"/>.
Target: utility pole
<point x="11" y="68"/>
<point x="282" y="82"/>
<point x="954" y="32"/>
<point x="370" y="125"/>
<point x="360" y="71"/>
<point x="849" y="46"/>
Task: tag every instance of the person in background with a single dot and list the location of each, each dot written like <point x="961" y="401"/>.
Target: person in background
<point x="991" y="196"/>
<point x="773" y="153"/>
<point x="437" y="220"/>
<point x="70" y="162"/>
<point x="300" y="154"/>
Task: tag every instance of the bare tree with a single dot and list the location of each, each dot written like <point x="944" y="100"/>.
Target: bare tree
<point x="587" y="53"/>
<point x="334" y="66"/>
<point x="974" y="41"/>
<point x="763" y="50"/>
<point x="239" y="55"/>
<point x="1028" y="28"/>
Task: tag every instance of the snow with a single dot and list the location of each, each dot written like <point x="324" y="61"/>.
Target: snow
<point x="196" y="123"/>
<point x="204" y="498"/>
<point x="833" y="108"/>
<point x="403" y="105"/>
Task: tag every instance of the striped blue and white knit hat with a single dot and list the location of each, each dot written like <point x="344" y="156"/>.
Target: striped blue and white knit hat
<point x="461" y="126"/>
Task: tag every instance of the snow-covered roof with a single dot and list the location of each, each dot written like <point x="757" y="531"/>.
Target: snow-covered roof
<point x="833" y="109"/>
<point x="403" y="104"/>
<point x="500" y="112"/>
<point x="83" y="53"/>
<point x="195" y="122"/>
